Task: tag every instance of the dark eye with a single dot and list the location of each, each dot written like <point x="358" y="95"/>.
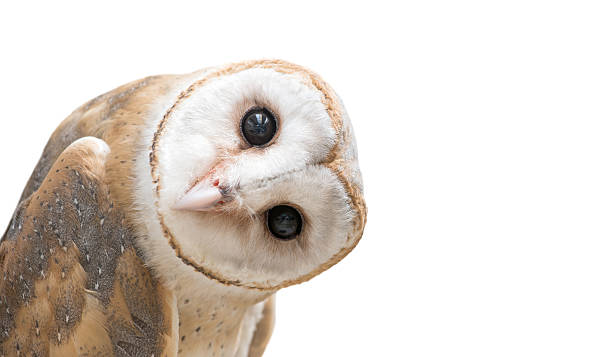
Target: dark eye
<point x="284" y="222"/>
<point x="258" y="126"/>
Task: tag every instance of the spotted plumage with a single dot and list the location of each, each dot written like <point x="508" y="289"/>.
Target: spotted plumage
<point x="151" y="225"/>
<point x="70" y="269"/>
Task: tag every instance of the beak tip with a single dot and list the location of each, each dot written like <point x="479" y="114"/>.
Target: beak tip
<point x="198" y="199"/>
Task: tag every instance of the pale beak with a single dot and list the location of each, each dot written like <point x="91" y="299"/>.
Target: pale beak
<point x="201" y="197"/>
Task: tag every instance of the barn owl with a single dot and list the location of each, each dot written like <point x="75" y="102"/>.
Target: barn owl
<point x="163" y="216"/>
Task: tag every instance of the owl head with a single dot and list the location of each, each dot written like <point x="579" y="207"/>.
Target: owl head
<point x="252" y="177"/>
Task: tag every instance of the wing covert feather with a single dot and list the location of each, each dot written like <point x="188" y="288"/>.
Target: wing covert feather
<point x="72" y="281"/>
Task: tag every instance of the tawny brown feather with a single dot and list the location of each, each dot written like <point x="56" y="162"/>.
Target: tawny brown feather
<point x="72" y="280"/>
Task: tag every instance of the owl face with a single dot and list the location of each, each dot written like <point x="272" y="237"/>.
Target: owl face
<point x="255" y="176"/>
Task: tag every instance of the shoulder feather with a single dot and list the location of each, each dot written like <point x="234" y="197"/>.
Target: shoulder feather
<point x="72" y="281"/>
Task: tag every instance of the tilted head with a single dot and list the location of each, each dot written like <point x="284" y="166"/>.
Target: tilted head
<point x="254" y="175"/>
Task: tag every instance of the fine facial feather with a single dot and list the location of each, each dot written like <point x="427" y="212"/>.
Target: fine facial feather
<point x="137" y="119"/>
<point x="315" y="143"/>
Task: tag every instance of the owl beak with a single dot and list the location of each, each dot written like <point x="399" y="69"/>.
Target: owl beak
<point x="199" y="198"/>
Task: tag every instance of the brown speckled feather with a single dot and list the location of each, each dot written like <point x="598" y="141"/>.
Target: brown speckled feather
<point x="73" y="283"/>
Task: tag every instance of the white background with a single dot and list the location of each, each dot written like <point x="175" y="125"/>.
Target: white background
<point x="485" y="143"/>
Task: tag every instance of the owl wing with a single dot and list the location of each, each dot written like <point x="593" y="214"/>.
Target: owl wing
<point x="264" y="328"/>
<point x="72" y="282"/>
